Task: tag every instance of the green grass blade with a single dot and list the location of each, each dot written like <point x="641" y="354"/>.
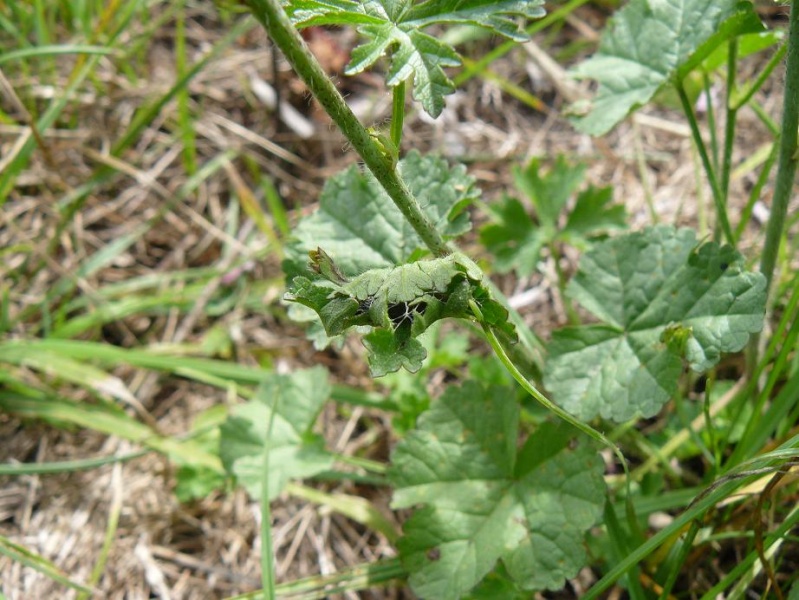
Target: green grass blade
<point x="49" y="468"/>
<point x="110" y="421"/>
<point x="742" y="570"/>
<point x="501" y="50"/>
<point x="187" y="366"/>
<point x="358" y="509"/>
<point x="54" y="50"/>
<point x="30" y="559"/>
<point x="360" y="577"/>
<point x="722" y="489"/>
<point x="146" y="115"/>
<point x="83" y="70"/>
<point x="185" y="119"/>
<point x="114" y="512"/>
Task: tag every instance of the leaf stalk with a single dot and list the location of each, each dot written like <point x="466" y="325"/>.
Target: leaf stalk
<point x="528" y="387"/>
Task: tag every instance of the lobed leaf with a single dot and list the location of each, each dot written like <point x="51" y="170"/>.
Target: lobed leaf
<point x="395" y="27"/>
<point x="647" y="43"/>
<point x="484" y="502"/>
<point x="516" y="240"/>
<point x="594" y="214"/>
<point x="662" y="299"/>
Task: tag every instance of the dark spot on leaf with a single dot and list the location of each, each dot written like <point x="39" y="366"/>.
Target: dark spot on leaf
<point x="434" y="554"/>
<point x="724" y="266"/>
<point x="364" y="305"/>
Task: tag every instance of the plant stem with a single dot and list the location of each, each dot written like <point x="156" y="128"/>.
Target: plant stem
<point x="754" y="195"/>
<point x="711" y="121"/>
<point x="267" y="551"/>
<point x="640" y="160"/>
<point x="276" y="22"/>
<point x="274" y="19"/>
<point x="563" y="280"/>
<point x="786" y="172"/>
<point x="731" y="116"/>
<point x="786" y="168"/>
<point x="397" y="115"/>
<point x="718" y="200"/>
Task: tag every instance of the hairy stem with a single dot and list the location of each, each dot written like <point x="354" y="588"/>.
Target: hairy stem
<point x="786" y="167"/>
<point x="786" y="171"/>
<point x="274" y="19"/>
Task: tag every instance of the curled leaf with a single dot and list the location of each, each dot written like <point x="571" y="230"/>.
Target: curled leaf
<point x="398" y="303"/>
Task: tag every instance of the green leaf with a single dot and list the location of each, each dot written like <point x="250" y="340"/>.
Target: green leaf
<point x="648" y="43"/>
<point x="295" y="451"/>
<point x="662" y="300"/>
<point x="395" y="27"/>
<point x="513" y="239"/>
<point x="594" y="214"/>
<point x="198" y="481"/>
<point x="359" y="224"/>
<point x="483" y="503"/>
<point x="549" y="192"/>
<point x="388" y="354"/>
<point x="498" y="584"/>
<point x="488" y="14"/>
<point x="399" y="303"/>
<point x="516" y="240"/>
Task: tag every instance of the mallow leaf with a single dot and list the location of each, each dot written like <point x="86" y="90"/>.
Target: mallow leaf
<point x="398" y="303"/>
<point x="648" y="43"/>
<point x="395" y="27"/>
<point x="663" y="299"/>
<point x="480" y="501"/>
<point x="516" y="239"/>
<point x="291" y="403"/>
<point x="361" y="226"/>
